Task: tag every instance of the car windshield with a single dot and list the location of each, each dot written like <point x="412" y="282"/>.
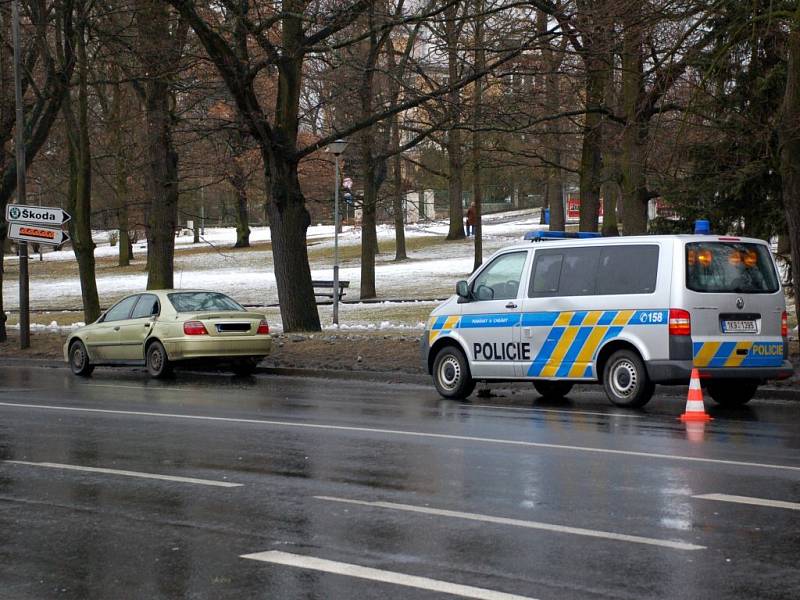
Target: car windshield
<point x="202" y="301"/>
<point x="725" y="267"/>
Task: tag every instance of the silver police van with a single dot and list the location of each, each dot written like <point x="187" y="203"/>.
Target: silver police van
<point x="625" y="312"/>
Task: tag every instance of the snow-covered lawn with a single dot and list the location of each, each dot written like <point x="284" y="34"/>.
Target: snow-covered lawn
<point x="247" y="275"/>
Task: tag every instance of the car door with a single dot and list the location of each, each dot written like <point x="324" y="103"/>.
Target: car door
<point x="489" y="322"/>
<point x="103" y="338"/>
<point x="134" y="331"/>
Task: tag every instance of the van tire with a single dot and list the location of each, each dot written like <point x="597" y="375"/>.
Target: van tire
<point x="451" y="374"/>
<point x="732" y="392"/>
<point x="553" y="390"/>
<point x="158" y="365"/>
<point x="625" y="380"/>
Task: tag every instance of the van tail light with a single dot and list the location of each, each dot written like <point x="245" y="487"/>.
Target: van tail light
<point x="784" y="325"/>
<point x="680" y="322"/>
<point x="263" y="328"/>
<point x="194" y="328"/>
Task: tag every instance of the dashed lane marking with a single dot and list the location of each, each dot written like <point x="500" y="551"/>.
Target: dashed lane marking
<point x="416" y="434"/>
<point x="224" y="484"/>
<point x="350" y="570"/>
<point x="520" y="523"/>
<point x="748" y="500"/>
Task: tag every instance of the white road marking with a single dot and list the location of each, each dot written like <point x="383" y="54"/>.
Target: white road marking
<point x="417" y="434"/>
<point x="224" y="484"/>
<point x="520" y="523"/>
<point x="351" y="570"/>
<point x="748" y="500"/>
<point x="554" y="410"/>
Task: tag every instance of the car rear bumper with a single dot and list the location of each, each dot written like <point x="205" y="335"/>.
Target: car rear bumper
<point x="679" y="371"/>
<point x="218" y="347"/>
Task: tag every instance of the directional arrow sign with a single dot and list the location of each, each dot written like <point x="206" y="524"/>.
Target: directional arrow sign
<point x="36" y="234"/>
<point x="41" y="215"/>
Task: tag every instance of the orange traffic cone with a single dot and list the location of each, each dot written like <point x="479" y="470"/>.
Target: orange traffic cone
<point x="695" y="409"/>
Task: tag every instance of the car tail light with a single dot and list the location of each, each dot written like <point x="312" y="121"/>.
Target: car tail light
<point x="784" y="325"/>
<point x="194" y="328"/>
<point x="263" y="328"/>
<point x="680" y="322"/>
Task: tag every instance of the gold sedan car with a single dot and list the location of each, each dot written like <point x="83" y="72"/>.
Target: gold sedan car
<point x="158" y="329"/>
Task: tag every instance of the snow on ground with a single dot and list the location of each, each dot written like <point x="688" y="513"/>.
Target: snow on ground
<point x="248" y="275"/>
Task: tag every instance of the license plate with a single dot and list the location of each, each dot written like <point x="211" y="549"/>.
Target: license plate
<point x="739" y="327"/>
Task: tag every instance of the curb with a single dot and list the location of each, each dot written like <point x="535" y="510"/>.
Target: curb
<point x="399" y="377"/>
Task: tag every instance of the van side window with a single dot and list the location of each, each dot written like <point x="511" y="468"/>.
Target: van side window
<point x="627" y="270"/>
<point x="564" y="272"/>
<point x="500" y="280"/>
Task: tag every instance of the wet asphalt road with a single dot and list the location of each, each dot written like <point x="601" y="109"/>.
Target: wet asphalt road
<point x="504" y="494"/>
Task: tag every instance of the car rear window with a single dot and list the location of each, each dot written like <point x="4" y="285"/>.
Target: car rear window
<point x="730" y="267"/>
<point x="202" y="301"/>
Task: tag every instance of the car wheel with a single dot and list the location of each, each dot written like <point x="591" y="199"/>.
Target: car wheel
<point x="732" y="392"/>
<point x="625" y="380"/>
<point x="158" y="364"/>
<point x="553" y="390"/>
<point x="451" y="374"/>
<point x="79" y="359"/>
<point x="246" y="366"/>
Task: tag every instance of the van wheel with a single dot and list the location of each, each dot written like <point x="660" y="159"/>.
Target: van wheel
<point x="732" y="392"/>
<point x="158" y="364"/>
<point x="625" y="380"/>
<point x="451" y="374"/>
<point x="79" y="359"/>
<point x="553" y="390"/>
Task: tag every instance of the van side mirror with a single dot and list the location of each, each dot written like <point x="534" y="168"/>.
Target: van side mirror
<point x="462" y="289"/>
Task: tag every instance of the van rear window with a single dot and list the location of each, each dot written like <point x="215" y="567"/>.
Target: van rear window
<point x="730" y="267"/>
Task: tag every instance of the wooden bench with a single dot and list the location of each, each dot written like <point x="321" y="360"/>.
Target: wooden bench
<point x="327" y="285"/>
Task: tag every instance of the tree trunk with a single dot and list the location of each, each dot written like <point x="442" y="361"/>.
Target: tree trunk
<point x="610" y="201"/>
<point x="397" y="201"/>
<point x="455" y="156"/>
<point x="554" y="184"/>
<point x="789" y="135"/>
<point x="121" y="175"/>
<point x="3" y="333"/>
<point x="242" y="217"/>
<point x="477" y="98"/>
<point x="79" y="197"/>
<point x="634" y="138"/>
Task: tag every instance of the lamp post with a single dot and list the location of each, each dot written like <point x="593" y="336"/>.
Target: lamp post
<point x="336" y="148"/>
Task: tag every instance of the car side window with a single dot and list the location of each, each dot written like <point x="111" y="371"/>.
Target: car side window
<point x="564" y="272"/>
<point x="121" y="309"/>
<point x="546" y="274"/>
<point x="501" y="279"/>
<point x="146" y="307"/>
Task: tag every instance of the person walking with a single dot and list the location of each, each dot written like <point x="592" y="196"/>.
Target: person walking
<point x="472" y="219"/>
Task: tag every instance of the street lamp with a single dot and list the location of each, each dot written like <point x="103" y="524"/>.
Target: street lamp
<point x="336" y="148"/>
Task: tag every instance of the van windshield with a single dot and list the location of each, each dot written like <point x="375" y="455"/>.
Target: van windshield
<point x="730" y="267"/>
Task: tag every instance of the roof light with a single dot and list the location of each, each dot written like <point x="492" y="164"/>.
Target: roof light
<point x="702" y="227"/>
<point x="539" y="236"/>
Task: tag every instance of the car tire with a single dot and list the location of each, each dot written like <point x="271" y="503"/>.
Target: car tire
<point x="625" y="380"/>
<point x="158" y="365"/>
<point x="79" y="359"/>
<point x="451" y="374"/>
<point x="553" y="390"/>
<point x="732" y="392"/>
<point x="246" y="366"/>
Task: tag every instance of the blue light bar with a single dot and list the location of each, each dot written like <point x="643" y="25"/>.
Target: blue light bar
<point x="539" y="236"/>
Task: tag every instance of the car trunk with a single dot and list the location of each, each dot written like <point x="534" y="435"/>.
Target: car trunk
<point x="226" y="323"/>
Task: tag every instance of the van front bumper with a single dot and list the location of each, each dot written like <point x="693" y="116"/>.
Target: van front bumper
<point x="680" y="371"/>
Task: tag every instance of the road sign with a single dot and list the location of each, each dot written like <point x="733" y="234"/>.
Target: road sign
<point x="41" y="215"/>
<point x="37" y="234"/>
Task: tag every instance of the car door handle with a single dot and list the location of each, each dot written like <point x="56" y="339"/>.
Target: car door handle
<point x="147" y="324"/>
<point x="116" y="328"/>
<point x="511" y="305"/>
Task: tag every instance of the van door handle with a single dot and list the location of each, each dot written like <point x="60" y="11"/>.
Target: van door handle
<point x="511" y="305"/>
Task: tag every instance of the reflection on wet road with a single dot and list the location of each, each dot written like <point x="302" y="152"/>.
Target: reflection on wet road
<point x="215" y="487"/>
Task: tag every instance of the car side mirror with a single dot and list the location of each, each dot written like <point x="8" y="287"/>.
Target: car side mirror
<point x="462" y="289"/>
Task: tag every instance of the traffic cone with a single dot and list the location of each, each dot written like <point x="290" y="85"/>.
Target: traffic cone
<point x="695" y="409"/>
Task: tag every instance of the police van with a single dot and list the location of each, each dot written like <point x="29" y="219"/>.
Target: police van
<point x="625" y="312"/>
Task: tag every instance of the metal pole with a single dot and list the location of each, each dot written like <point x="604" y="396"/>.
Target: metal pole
<point x="24" y="298"/>
<point x="336" y="244"/>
